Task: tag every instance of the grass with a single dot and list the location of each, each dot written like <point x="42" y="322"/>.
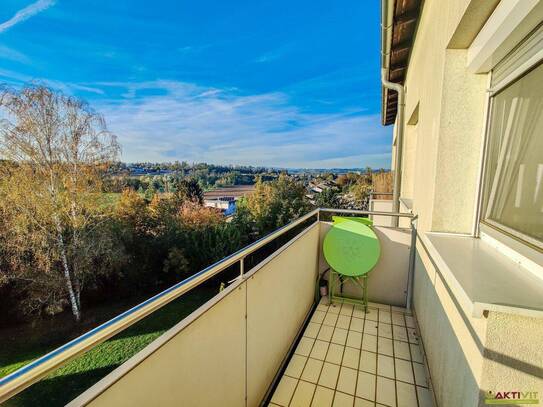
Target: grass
<point x="24" y="345"/>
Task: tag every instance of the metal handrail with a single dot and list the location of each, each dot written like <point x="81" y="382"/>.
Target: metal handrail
<point x="24" y="377"/>
<point x="362" y="212"/>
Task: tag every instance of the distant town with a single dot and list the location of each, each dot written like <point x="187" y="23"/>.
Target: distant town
<point x="224" y="185"/>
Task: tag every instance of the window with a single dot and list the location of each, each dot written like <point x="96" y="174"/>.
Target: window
<point x="513" y="182"/>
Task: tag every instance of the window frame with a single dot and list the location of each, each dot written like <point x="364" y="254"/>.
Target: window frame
<point x="495" y="229"/>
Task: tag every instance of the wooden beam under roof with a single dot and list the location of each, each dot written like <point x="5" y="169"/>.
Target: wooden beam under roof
<point x="406" y="14"/>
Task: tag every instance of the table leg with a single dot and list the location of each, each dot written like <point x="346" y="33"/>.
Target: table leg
<point x="330" y="285"/>
<point x="365" y="279"/>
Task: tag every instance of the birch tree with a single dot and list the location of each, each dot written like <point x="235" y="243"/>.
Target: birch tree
<point x="56" y="149"/>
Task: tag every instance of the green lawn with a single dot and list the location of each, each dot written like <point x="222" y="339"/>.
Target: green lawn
<point x="22" y="346"/>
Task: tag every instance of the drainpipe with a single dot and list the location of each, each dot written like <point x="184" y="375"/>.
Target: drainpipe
<point x="386" y="28"/>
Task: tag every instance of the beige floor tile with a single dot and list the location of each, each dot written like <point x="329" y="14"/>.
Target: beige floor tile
<point x="323" y="397"/>
<point x="384" y="316"/>
<point x="354" y="339"/>
<point x="312" y="370"/>
<point x="303" y="395"/>
<point x="273" y="405"/>
<point x="347" y="380"/>
<point x="325" y="334"/>
<point x="359" y="312"/>
<point x="400" y="310"/>
<point x="369" y="343"/>
<point x="371" y="315"/>
<point x="379" y="306"/>
<point x="370" y="328"/>
<point x="351" y="358"/>
<point x="339" y="336"/>
<point x="384" y="346"/>
<point x="318" y="316"/>
<point x="399" y="332"/>
<point x="362" y="403"/>
<point x="385" y="366"/>
<point x="347" y="309"/>
<point x="401" y="350"/>
<point x="312" y="330"/>
<point x="335" y="353"/>
<point x="284" y="391"/>
<point x="343" y="321"/>
<point x="425" y="397"/>
<point x="329" y="375"/>
<point x="406" y="395"/>
<point x="368" y="362"/>
<point x="330" y="319"/>
<point x="416" y="354"/>
<point x="343" y="400"/>
<point x="322" y="307"/>
<point x="319" y="350"/>
<point x="334" y="308"/>
<point x="357" y="325"/>
<point x="420" y="375"/>
<point x="304" y="347"/>
<point x="412" y="335"/>
<point x="386" y="391"/>
<point x="404" y="372"/>
<point x="410" y="321"/>
<point x="398" y="319"/>
<point x="385" y="330"/>
<point x="296" y="366"/>
<point x="365" y="386"/>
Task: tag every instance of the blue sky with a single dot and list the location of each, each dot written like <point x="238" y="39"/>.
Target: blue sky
<point x="273" y="83"/>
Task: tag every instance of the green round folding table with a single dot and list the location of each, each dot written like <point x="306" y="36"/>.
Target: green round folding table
<point x="352" y="250"/>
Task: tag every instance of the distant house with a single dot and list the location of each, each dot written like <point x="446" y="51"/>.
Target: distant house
<point x="227" y="204"/>
<point x="316" y="189"/>
<point x="225" y="198"/>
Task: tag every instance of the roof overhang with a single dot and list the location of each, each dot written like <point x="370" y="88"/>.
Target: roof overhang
<point x="405" y="16"/>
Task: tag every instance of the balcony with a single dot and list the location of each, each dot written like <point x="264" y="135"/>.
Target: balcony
<point x="268" y="338"/>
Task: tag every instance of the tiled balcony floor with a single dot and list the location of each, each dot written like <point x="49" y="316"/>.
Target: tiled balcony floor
<point x="350" y="358"/>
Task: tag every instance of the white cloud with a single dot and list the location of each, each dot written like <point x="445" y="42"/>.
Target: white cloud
<point x="16" y="79"/>
<point x="13" y="55"/>
<point x="267" y="57"/>
<point x="168" y="120"/>
<point x="274" y="54"/>
<point x="26" y="13"/>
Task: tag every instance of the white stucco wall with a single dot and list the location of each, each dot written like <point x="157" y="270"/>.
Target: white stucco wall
<point x="513" y="356"/>
<point x="381" y="205"/>
<point x="442" y="150"/>
<point x="454" y="346"/>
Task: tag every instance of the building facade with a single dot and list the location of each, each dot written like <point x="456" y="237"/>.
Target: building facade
<point x="470" y="146"/>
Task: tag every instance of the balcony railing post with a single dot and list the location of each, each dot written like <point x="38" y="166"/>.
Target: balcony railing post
<point x="241" y="267"/>
<point x="318" y="272"/>
<point x="411" y="270"/>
